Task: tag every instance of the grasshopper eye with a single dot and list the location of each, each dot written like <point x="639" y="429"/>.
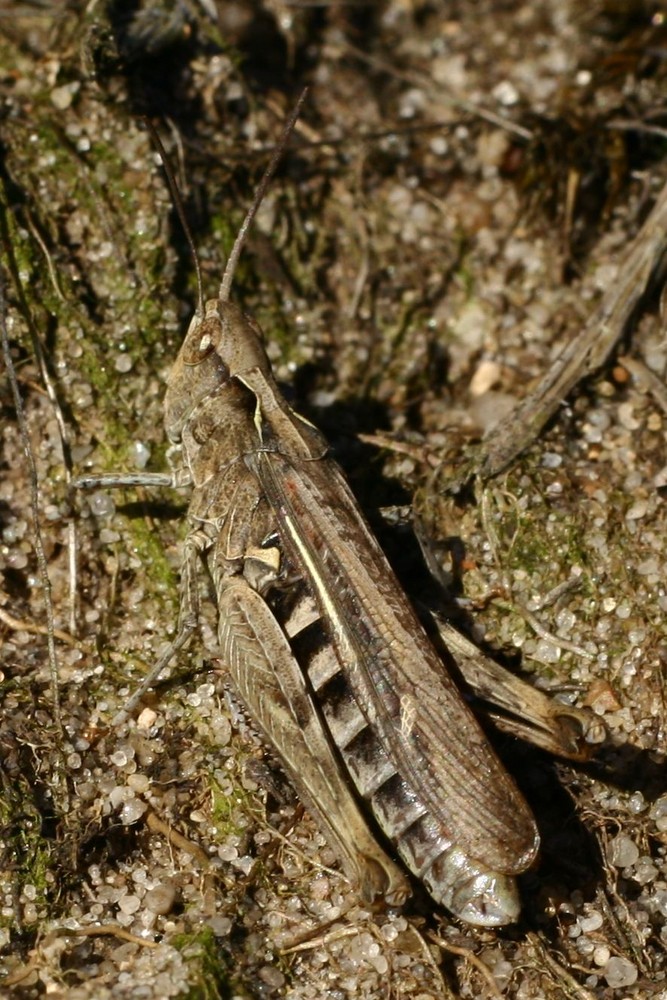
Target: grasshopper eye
<point x="200" y="343"/>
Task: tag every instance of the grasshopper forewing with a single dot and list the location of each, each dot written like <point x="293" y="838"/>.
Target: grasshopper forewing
<point x="321" y="643"/>
<point x="274" y="689"/>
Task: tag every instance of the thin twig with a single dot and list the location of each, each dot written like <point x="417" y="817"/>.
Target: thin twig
<point x="635" y="125"/>
<point x="418" y="452"/>
<point x="47" y="256"/>
<point x="456" y="100"/>
<point x="63" y="434"/>
<point x="176" y="839"/>
<point x="112" y="930"/>
<point x="321" y="940"/>
<point x="445" y="992"/>
<point x="470" y="956"/>
<point x="541" y="630"/>
<point x="98" y="930"/>
<point x="22" y="626"/>
<point x="643" y="264"/>
<point x="35" y="504"/>
<point x="567" y="982"/>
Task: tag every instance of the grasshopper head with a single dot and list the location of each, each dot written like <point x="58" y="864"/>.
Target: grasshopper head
<point x="218" y="347"/>
<point x="236" y="339"/>
<point x="224" y="352"/>
<point x="226" y="339"/>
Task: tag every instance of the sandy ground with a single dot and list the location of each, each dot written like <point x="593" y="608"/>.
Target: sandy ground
<point x="455" y="201"/>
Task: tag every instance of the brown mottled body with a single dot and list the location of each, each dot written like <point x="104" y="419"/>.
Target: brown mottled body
<point x="322" y="644"/>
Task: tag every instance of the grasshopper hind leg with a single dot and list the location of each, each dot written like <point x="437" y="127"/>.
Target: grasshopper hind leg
<point x="270" y="682"/>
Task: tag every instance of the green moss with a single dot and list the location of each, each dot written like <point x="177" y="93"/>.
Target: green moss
<point x="26" y="851"/>
<point x="38" y="860"/>
<point x="227" y="810"/>
<point x="148" y="548"/>
<point x="209" y="974"/>
<point x="104" y="190"/>
<point x="465" y="271"/>
<point x="543" y="533"/>
<point x="224" y="228"/>
<point x="535" y="548"/>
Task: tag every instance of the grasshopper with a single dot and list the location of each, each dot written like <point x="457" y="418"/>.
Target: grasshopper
<point x="321" y="643"/>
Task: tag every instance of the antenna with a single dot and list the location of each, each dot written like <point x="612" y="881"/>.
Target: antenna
<point x="239" y="242"/>
<point x="180" y="211"/>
